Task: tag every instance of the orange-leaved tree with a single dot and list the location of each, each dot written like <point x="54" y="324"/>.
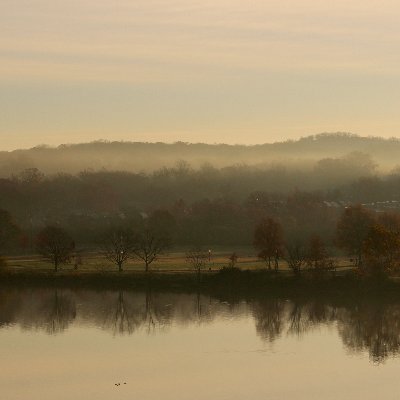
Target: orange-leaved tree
<point x="381" y="250"/>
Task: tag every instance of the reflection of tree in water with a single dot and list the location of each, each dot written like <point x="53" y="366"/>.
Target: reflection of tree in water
<point x="205" y="308"/>
<point x="304" y="316"/>
<point x="194" y="308"/>
<point x="163" y="309"/>
<point x="129" y="313"/>
<point x="58" y="311"/>
<point x="298" y="319"/>
<point x="269" y="316"/>
<point x="275" y="317"/>
<point x="151" y="317"/>
<point x="48" y="310"/>
<point x="9" y="305"/>
<point x="372" y="326"/>
<point x="122" y="317"/>
<point x="126" y="312"/>
<point x="120" y="312"/>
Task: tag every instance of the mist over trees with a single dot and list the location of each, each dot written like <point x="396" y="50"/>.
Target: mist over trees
<point x="195" y="207"/>
<point x="320" y="152"/>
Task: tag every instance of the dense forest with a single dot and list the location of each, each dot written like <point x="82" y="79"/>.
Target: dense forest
<point x="206" y="205"/>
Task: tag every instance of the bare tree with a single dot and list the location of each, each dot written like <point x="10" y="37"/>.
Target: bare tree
<point x="197" y="258"/>
<point x="150" y="244"/>
<point x="295" y="256"/>
<point x="268" y="239"/>
<point x="118" y="246"/>
<point x="55" y="244"/>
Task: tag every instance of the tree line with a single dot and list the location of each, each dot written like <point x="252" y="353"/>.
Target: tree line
<point x="116" y="244"/>
<point x="371" y="241"/>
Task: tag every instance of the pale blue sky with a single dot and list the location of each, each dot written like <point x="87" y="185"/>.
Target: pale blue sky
<point x="209" y="71"/>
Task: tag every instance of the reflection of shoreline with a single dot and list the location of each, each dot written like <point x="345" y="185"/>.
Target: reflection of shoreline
<point x="249" y="283"/>
<point x="368" y="325"/>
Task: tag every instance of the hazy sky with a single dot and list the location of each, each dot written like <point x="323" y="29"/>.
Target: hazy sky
<point x="214" y="71"/>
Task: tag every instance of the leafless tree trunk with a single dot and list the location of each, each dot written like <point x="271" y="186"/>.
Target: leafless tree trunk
<point x="149" y="245"/>
<point x="118" y="246"/>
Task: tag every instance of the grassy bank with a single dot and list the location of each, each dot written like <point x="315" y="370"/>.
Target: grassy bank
<point x="226" y="282"/>
<point x="174" y="261"/>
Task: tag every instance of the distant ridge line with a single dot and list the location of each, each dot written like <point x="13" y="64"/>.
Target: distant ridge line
<point x="308" y="138"/>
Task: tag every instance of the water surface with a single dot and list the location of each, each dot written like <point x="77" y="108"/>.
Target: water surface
<point x="64" y="344"/>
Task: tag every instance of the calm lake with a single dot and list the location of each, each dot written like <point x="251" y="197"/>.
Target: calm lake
<point x="83" y="344"/>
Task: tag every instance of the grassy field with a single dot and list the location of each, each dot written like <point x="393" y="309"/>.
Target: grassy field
<point x="174" y="261"/>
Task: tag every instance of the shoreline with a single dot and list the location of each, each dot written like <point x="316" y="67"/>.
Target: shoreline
<point x="226" y="282"/>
